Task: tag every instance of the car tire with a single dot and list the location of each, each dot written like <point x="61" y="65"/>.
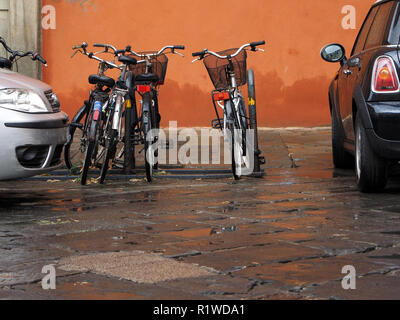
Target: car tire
<point x="371" y="170"/>
<point x="341" y="158"/>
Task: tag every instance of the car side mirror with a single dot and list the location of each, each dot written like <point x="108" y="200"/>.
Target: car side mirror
<point x="334" y="53"/>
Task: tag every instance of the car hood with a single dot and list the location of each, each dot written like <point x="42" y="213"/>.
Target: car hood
<point x="10" y="79"/>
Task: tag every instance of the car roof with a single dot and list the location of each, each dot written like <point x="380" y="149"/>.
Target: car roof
<point x="379" y="2"/>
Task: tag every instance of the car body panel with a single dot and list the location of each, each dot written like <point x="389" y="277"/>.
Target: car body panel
<point x="11" y="138"/>
<point x="14" y="80"/>
<point x="21" y="129"/>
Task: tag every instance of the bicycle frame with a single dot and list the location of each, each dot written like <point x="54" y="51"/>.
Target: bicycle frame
<point x="117" y="102"/>
<point x="234" y="97"/>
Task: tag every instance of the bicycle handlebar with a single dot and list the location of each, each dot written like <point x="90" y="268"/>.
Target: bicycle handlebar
<point x="108" y="46"/>
<point x="196" y="54"/>
<point x="173" y="48"/>
<point x="257" y="43"/>
<point x="83" y="46"/>
<point x="14" y="54"/>
<point x="91" y="55"/>
<point x="179" y="47"/>
<point x="37" y="56"/>
<point x="252" y="45"/>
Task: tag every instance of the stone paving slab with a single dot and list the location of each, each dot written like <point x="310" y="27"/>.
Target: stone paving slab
<point x="136" y="266"/>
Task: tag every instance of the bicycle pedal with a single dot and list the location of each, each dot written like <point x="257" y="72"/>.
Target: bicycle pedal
<point x="118" y="161"/>
<point x="215" y="124"/>
<point x="117" y="166"/>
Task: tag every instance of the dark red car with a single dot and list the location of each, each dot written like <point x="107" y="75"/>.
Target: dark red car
<point x="364" y="98"/>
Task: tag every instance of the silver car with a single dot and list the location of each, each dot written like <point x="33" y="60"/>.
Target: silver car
<point x="32" y="127"/>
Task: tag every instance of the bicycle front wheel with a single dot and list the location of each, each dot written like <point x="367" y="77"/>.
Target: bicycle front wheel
<point x="155" y="115"/>
<point x="74" y="149"/>
<point x="147" y="122"/>
<point x="238" y="136"/>
<point x="92" y="146"/>
<point x="111" y="144"/>
<point x="234" y="148"/>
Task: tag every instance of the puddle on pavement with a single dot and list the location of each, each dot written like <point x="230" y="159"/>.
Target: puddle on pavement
<point x="300" y="222"/>
<point x="192" y="234"/>
<point x="396" y="233"/>
<point x="88" y="291"/>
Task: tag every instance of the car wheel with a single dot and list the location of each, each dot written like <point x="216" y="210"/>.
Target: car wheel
<point x="341" y="158"/>
<point x="371" y="170"/>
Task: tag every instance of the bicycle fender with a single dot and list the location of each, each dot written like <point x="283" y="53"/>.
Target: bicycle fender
<point x="229" y="112"/>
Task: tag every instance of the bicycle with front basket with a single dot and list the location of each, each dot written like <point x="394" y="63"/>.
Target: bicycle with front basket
<point x="228" y="72"/>
<point x="149" y="76"/>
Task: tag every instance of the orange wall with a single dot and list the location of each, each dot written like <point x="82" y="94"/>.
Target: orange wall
<point x="292" y="81"/>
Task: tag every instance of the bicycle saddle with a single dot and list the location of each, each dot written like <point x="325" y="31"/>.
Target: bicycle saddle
<point x="127" y="60"/>
<point x="101" y="80"/>
<point x="5" y="63"/>
<point x="147" y="77"/>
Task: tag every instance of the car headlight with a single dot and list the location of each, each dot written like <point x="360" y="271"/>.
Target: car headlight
<point x="22" y="100"/>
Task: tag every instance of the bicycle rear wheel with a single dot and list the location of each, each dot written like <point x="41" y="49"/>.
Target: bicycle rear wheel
<point x="129" y="144"/>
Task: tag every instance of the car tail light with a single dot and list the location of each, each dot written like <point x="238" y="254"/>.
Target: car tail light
<point x="143" y="88"/>
<point x="385" y="79"/>
<point x="218" y="96"/>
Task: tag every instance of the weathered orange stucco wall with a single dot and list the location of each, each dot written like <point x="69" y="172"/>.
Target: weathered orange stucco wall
<point x="292" y="80"/>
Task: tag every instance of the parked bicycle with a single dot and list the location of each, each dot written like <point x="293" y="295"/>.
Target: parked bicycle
<point x="228" y="72"/>
<point x="89" y="118"/>
<point x="149" y="75"/>
<point x="122" y="95"/>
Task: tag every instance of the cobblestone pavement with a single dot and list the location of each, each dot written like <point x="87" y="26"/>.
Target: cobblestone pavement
<point x="195" y="235"/>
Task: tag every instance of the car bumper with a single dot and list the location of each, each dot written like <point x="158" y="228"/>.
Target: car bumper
<point x="385" y="135"/>
<point x="30" y="144"/>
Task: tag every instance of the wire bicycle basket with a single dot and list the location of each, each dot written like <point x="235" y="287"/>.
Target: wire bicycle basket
<point x="217" y="68"/>
<point x="159" y="65"/>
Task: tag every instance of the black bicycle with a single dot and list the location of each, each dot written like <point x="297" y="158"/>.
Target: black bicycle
<point x="149" y="75"/>
<point x="228" y="72"/>
<point x="89" y="150"/>
<point x="118" y="105"/>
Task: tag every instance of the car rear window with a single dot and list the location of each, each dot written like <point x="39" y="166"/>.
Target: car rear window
<point x="378" y="28"/>
<point x="394" y="33"/>
<point x="362" y="36"/>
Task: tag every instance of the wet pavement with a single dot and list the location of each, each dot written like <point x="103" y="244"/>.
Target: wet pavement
<point x="197" y="234"/>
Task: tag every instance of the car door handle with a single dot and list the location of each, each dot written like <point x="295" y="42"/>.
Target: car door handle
<point x="347" y="72"/>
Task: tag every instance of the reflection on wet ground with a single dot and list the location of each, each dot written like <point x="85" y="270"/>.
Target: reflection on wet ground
<point x="287" y="235"/>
